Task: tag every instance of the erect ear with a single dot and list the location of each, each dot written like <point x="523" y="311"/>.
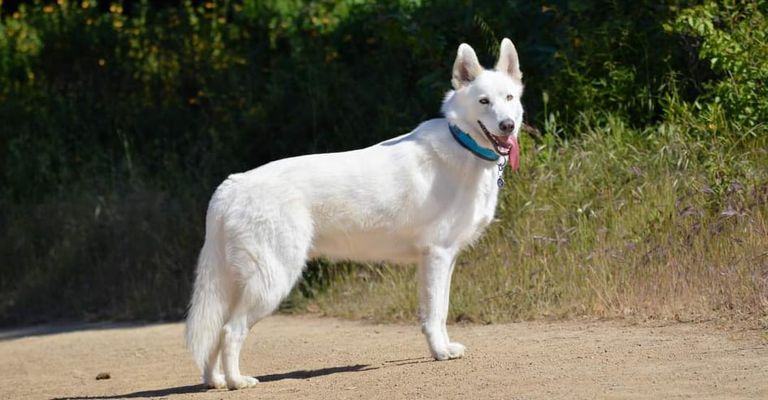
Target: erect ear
<point x="508" y="61"/>
<point x="466" y="67"/>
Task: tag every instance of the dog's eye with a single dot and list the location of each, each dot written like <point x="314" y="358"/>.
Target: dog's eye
<point x="484" y="101"/>
<point x="510" y="97"/>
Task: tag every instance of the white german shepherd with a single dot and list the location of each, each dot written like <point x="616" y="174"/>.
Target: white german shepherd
<point x="417" y="198"/>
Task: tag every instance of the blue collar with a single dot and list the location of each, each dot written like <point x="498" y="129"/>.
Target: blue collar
<point x="468" y="143"/>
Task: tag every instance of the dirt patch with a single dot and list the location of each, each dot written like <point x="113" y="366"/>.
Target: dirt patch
<point x="304" y="357"/>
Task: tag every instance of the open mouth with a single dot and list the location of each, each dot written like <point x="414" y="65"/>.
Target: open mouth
<point x="505" y="146"/>
<point x="502" y="144"/>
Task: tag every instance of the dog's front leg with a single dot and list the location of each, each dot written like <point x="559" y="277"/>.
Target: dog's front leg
<point x="434" y="286"/>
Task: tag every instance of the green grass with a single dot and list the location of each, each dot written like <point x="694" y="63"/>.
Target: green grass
<point x="651" y="224"/>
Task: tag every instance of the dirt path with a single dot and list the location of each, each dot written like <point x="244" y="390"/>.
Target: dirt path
<point x="303" y="357"/>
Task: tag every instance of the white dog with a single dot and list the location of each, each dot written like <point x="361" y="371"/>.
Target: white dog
<point x="418" y="198"/>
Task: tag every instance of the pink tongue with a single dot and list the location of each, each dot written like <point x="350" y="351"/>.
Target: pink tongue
<point x="514" y="152"/>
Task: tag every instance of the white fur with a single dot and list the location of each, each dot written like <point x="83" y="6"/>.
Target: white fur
<point x="418" y="198"/>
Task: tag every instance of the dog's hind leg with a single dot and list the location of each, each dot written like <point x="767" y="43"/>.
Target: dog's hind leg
<point x="213" y="375"/>
<point x="267" y="262"/>
<point x="434" y="285"/>
<point x="269" y="282"/>
<point x="233" y="336"/>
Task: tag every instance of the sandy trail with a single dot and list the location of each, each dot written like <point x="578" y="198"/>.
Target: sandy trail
<point x="318" y="358"/>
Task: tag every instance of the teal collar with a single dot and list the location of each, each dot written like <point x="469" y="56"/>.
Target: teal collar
<point x="468" y="143"/>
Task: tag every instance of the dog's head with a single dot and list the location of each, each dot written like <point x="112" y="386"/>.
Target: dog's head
<point x="486" y="103"/>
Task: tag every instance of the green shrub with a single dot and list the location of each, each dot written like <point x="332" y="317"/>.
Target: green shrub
<point x="614" y="59"/>
<point x="732" y="39"/>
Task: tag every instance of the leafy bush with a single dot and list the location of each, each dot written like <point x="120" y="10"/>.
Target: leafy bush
<point x="732" y="39"/>
<point x="615" y="59"/>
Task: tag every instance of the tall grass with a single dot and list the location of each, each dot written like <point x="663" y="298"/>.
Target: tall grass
<point x="619" y="223"/>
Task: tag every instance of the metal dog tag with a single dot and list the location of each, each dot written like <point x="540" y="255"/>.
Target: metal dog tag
<point x="500" y="166"/>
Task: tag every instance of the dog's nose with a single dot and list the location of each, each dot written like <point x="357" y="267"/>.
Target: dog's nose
<point x="507" y="125"/>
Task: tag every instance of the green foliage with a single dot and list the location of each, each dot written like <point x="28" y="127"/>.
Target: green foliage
<point x="732" y="38"/>
<point x="117" y="120"/>
<point x="615" y="58"/>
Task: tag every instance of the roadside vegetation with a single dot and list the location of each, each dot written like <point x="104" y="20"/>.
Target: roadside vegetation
<point x="645" y="195"/>
<point x="618" y="223"/>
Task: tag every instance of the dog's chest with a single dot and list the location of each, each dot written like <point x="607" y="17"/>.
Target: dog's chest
<point x="477" y="208"/>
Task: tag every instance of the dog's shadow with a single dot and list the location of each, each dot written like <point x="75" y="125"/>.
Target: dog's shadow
<point x="314" y="373"/>
<point x="188" y="389"/>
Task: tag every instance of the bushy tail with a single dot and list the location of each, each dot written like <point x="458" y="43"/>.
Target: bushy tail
<point x="209" y="303"/>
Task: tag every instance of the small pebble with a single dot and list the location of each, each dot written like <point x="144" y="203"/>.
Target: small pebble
<point x="103" y="375"/>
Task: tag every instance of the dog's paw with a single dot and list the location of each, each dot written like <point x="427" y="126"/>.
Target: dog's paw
<point x="215" y="382"/>
<point x="456" y="350"/>
<point x="450" y="352"/>
<point x="241" y="382"/>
